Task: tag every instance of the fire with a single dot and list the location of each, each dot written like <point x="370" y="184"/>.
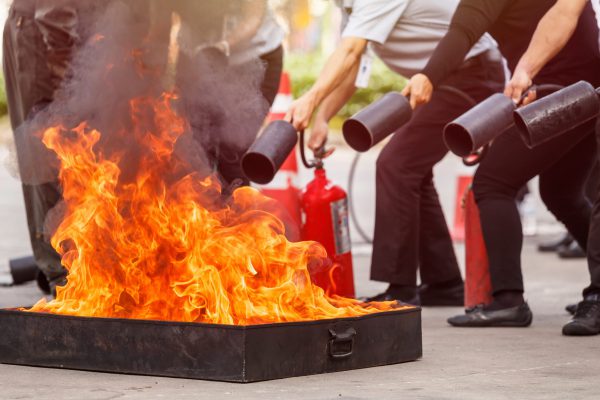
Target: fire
<point x="155" y="247"/>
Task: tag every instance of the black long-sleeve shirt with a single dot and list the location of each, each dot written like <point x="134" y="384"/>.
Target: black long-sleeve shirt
<point x="512" y="23"/>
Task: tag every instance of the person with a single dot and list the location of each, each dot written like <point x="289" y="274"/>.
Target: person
<point x="256" y="34"/>
<point x="216" y="75"/>
<point x="555" y="29"/>
<point x="411" y="233"/>
<point x="261" y="36"/>
<point x="39" y="39"/>
<point x="563" y="164"/>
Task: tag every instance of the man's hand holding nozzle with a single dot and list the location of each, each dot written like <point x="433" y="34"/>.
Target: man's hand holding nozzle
<point x="419" y="90"/>
<point x="520" y="84"/>
<point x="301" y="111"/>
<point x="318" y="139"/>
<point x="300" y="115"/>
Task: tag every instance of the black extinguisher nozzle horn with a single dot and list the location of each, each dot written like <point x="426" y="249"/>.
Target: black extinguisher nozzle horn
<point x="480" y="125"/>
<point x="458" y="140"/>
<point x="376" y="122"/>
<point x="557" y="113"/>
<point x="268" y="153"/>
<point x="357" y="135"/>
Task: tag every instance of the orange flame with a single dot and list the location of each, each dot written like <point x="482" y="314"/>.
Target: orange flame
<point x="156" y="250"/>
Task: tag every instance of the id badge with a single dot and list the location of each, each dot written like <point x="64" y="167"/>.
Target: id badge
<point x="364" y="71"/>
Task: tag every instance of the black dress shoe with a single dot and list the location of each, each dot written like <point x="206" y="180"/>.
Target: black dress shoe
<point x="519" y="316"/>
<point x="571" y="308"/>
<point x="385" y="296"/>
<point x="574" y="250"/>
<point x="445" y="296"/>
<point x="586" y="321"/>
<point x="555" y="245"/>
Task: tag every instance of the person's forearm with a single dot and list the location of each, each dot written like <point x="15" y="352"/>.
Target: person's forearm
<point x="341" y="63"/>
<point x="553" y="32"/>
<point x="338" y="98"/>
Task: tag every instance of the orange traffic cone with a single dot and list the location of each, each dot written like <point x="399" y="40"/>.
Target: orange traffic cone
<point x="478" y="286"/>
<point x="284" y="187"/>
<point x="283" y="100"/>
<point x="463" y="182"/>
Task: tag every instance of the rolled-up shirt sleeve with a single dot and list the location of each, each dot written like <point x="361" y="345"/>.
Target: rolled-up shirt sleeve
<point x="471" y="20"/>
<point x="374" y="20"/>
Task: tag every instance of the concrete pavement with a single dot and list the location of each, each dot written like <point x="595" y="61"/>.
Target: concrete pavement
<point x="532" y="363"/>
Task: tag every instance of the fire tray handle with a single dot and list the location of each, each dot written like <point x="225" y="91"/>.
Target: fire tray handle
<point x="341" y="343"/>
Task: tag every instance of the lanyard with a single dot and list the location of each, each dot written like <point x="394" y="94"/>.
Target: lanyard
<point x="348" y="5"/>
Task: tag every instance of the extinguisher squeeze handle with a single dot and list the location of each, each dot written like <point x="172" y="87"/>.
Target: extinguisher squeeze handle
<point x="319" y="155"/>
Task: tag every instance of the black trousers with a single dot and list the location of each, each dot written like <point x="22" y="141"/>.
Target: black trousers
<point x="410" y="229"/>
<point x="563" y="166"/>
<point x="36" y="51"/>
<point x="593" y="250"/>
<point x="273" y="63"/>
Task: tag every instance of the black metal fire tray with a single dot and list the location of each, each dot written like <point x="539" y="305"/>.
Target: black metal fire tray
<point x="205" y="351"/>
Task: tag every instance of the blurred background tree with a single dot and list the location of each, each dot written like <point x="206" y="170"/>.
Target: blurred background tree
<point x="3" y="103"/>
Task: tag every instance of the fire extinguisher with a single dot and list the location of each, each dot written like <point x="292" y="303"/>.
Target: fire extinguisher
<point x="325" y="219"/>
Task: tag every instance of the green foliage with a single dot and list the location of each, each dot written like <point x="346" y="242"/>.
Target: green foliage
<point x="304" y="70"/>
<point x="3" y="103"/>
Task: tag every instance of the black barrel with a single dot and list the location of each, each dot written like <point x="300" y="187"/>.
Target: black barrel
<point x="480" y="125"/>
<point x="269" y="152"/>
<point x="377" y="121"/>
<point x="557" y="113"/>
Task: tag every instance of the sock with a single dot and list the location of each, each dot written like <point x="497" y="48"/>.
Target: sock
<point x="506" y="299"/>
<point x="447" y="284"/>
<point x="402" y="292"/>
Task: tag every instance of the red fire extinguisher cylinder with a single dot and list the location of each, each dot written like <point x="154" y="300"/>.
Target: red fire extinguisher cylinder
<point x="325" y="220"/>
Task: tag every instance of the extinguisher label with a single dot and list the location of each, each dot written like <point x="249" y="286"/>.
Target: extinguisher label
<point x="341" y="226"/>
